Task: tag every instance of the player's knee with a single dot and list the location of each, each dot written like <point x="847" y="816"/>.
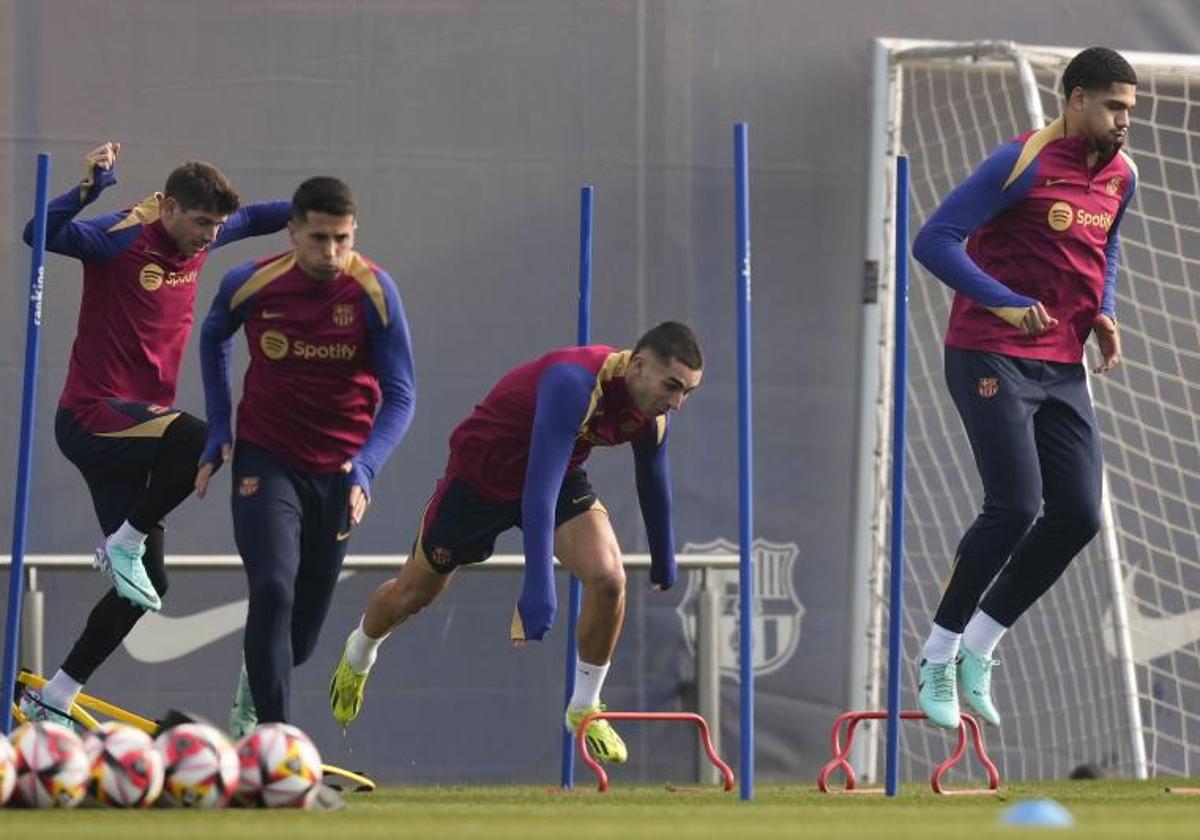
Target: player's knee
<point x="270" y="593"/>
<point x="1084" y="519"/>
<point x="607" y="582"/>
<point x="1018" y="517"/>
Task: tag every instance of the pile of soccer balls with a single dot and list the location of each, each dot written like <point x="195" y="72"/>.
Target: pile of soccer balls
<point x="192" y="765"/>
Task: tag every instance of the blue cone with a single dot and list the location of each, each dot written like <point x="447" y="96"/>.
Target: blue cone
<point x="1038" y="812"/>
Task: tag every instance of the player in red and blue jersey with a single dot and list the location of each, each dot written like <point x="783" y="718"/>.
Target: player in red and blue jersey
<point x="327" y="396"/>
<point x="116" y="420"/>
<point x="517" y="461"/>
<point x="1037" y="277"/>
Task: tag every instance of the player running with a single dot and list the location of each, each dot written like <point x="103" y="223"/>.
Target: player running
<point x="327" y="396"/>
<point x="115" y="420"/>
<point x="517" y="460"/>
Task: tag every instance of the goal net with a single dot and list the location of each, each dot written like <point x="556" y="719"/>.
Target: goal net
<point x="1105" y="669"/>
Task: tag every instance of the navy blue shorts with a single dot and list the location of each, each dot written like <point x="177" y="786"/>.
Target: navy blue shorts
<point x="460" y="525"/>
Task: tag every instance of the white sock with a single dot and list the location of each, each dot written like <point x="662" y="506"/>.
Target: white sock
<point x="982" y="634"/>
<point x="942" y="645"/>
<point x="588" y="681"/>
<point x="361" y="649"/>
<point x="61" y="691"/>
<point x="127" y="536"/>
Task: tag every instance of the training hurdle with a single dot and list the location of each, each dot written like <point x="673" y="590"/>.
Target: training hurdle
<point x="686" y="717"/>
<point x="850" y="721"/>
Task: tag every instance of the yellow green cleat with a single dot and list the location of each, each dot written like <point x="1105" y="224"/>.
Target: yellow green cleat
<point x="346" y="692"/>
<point x="603" y="741"/>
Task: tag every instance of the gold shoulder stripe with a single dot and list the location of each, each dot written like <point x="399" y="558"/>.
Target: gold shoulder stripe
<point x="150" y="429"/>
<point x="661" y="422"/>
<point x="1033" y="146"/>
<point x="360" y="270"/>
<point x="613" y="366"/>
<point x="273" y="270"/>
<point x="142" y="213"/>
<point x="1129" y="160"/>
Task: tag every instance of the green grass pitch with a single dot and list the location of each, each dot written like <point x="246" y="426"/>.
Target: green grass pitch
<point x="1102" y="809"/>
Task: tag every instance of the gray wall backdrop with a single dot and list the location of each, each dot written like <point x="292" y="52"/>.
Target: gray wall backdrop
<point x="466" y="128"/>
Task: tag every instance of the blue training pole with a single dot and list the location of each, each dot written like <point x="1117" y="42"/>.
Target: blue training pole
<point x="33" y="328"/>
<point x="584" y="335"/>
<point x="741" y="170"/>
<point x="900" y="378"/>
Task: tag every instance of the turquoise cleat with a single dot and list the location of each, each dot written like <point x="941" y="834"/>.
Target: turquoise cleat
<point x="36" y="710"/>
<point x="242" y="715"/>
<point x="975" y="678"/>
<point x="937" y="693"/>
<point x="123" y="566"/>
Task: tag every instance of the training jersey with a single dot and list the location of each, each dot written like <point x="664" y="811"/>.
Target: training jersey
<point x="1040" y="226"/>
<point x="139" y="293"/>
<point x="330" y="377"/>
<point x="542" y="419"/>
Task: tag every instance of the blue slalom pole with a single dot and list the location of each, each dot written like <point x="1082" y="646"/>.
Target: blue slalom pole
<point x="741" y="170"/>
<point x="33" y="328"/>
<point x="900" y="377"/>
<point x="584" y="336"/>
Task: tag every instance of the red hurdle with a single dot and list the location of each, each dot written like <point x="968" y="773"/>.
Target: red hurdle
<point x="701" y="725"/>
<point x="851" y="720"/>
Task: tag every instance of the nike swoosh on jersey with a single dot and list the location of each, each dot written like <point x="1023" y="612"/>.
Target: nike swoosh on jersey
<point x="268" y="315"/>
<point x="1050" y="182"/>
<point x="161" y="638"/>
<point x="1151" y="637"/>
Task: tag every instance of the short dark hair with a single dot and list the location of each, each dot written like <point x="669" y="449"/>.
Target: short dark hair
<point x="323" y="194"/>
<point x="198" y="185"/>
<point x="673" y="340"/>
<point x="1097" y="68"/>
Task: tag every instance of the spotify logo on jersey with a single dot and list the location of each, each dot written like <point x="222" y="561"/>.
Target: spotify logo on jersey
<point x="274" y="345"/>
<point x="1060" y="215"/>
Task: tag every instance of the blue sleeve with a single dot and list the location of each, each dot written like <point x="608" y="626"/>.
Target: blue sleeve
<point x="216" y="355"/>
<point x="654" y="496"/>
<point x="563" y="396"/>
<point x="1112" y="254"/>
<point x="87" y="240"/>
<point x="255" y="220"/>
<point x="391" y="353"/>
<point x="939" y="244"/>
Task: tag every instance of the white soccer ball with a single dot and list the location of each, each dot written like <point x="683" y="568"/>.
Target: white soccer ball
<point x="51" y="765"/>
<point x="126" y="769"/>
<point x="8" y="770"/>
<point x="201" y="766"/>
<point x="280" y="767"/>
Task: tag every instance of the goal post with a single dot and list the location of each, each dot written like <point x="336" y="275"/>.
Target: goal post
<point x="1105" y="670"/>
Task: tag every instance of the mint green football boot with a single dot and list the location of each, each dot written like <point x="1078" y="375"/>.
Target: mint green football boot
<point x="975" y="680"/>
<point x="937" y="693"/>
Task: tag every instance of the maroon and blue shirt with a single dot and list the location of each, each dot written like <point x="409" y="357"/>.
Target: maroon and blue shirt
<point x="139" y="296"/>
<point x="1040" y="226"/>
<point x="330" y="377"/>
<point x="542" y="419"/>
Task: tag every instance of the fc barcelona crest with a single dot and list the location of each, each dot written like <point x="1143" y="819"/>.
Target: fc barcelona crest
<point x="777" y="608"/>
<point x="989" y="386"/>
<point x="343" y="314"/>
<point x="1114" y="185"/>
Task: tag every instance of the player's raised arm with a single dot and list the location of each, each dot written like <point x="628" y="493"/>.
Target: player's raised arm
<point x="89" y="239"/>
<point x="562" y="403"/>
<point x="259" y="219"/>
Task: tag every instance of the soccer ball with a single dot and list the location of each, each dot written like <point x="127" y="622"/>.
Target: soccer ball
<point x="51" y="765"/>
<point x="126" y="769"/>
<point x="8" y="769"/>
<point x="280" y="767"/>
<point x="201" y="766"/>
